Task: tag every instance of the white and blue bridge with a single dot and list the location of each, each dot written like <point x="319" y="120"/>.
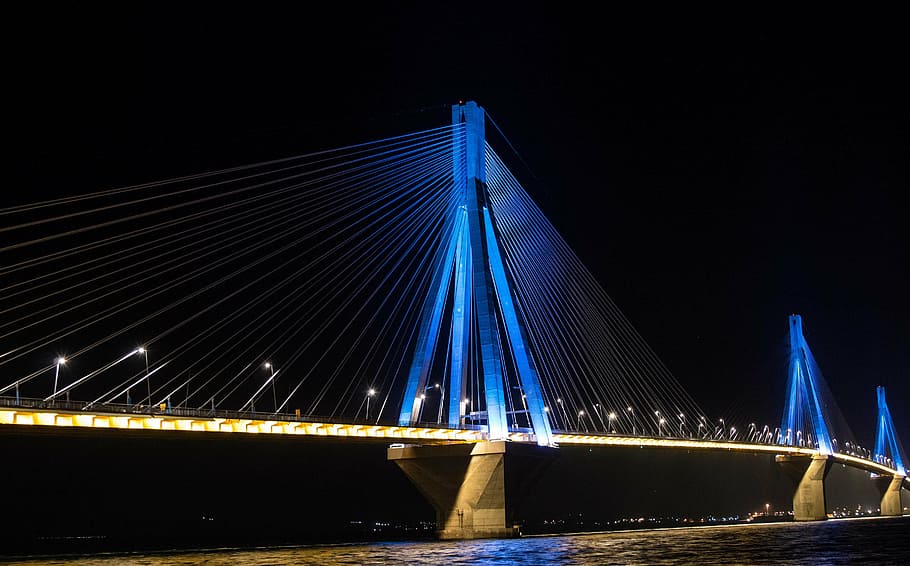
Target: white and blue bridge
<point x="407" y="291"/>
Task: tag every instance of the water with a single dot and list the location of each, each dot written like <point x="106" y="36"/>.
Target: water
<point x="860" y="541"/>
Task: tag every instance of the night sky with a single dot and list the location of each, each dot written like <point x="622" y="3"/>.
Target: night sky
<point x="716" y="172"/>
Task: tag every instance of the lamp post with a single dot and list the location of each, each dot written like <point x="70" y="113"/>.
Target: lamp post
<point x="370" y="394"/>
<point x="682" y="422"/>
<point x="148" y="384"/>
<point x="423" y="399"/>
<point x="138" y="351"/>
<point x="580" y="414"/>
<point x="442" y="398"/>
<point x="59" y="361"/>
<point x="631" y="418"/>
<point x="659" y="421"/>
<point x="660" y="424"/>
<point x="612" y="418"/>
<point x="271" y="368"/>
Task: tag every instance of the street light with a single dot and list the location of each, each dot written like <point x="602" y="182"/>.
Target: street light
<point x="370" y="394"/>
<point x="580" y="414"/>
<point x="139" y="351"/>
<point x="631" y="418"/>
<point x="148" y="383"/>
<point x="59" y="361"/>
<point x="271" y="368"/>
<point x="659" y="424"/>
<point x="423" y="398"/>
<point x="612" y="417"/>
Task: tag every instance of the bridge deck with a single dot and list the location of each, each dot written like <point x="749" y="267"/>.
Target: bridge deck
<point x="219" y="424"/>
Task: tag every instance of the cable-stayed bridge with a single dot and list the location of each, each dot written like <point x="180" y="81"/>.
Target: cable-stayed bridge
<point x="406" y="291"/>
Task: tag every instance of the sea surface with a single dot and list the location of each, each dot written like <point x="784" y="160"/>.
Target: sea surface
<point x="871" y="541"/>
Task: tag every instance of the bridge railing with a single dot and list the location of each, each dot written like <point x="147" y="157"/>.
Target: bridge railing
<point x="189" y="412"/>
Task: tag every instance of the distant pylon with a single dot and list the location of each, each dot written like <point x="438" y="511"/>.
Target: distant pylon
<point x="886" y="441"/>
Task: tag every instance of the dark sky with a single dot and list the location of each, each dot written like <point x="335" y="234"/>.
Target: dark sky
<point x="715" y="171"/>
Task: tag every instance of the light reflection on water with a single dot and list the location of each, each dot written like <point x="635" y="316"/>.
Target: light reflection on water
<point x="868" y="542"/>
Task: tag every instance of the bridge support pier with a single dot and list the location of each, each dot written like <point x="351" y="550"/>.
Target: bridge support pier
<point x="890" y="488"/>
<point x="808" y="473"/>
<point x="477" y="488"/>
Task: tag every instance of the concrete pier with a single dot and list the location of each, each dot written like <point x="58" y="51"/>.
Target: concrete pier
<point x="808" y="474"/>
<point x="890" y="488"/>
<point x="476" y="489"/>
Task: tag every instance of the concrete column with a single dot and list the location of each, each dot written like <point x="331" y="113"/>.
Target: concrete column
<point x="476" y="489"/>
<point x="890" y="488"/>
<point x="808" y="474"/>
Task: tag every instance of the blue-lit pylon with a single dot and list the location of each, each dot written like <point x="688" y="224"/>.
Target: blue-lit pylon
<point x="803" y="395"/>
<point x="482" y="289"/>
<point x="885" y="436"/>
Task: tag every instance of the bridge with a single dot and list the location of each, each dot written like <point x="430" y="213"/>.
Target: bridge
<point x="405" y="291"/>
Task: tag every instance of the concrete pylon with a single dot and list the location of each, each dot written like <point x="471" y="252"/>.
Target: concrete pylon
<point x="890" y="488"/>
<point x="476" y="489"/>
<point x="808" y="474"/>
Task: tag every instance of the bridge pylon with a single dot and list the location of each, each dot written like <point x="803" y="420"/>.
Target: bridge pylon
<point x="804" y="417"/>
<point x="475" y="488"/>
<point x="471" y="269"/>
<point x="889" y="451"/>
<point x="805" y="412"/>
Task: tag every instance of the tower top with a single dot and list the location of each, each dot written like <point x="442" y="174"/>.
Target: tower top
<point x="472" y="116"/>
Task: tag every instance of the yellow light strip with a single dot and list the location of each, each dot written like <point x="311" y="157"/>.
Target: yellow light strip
<point x="681" y="443"/>
<point x="866" y="465"/>
<point x="175" y="423"/>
